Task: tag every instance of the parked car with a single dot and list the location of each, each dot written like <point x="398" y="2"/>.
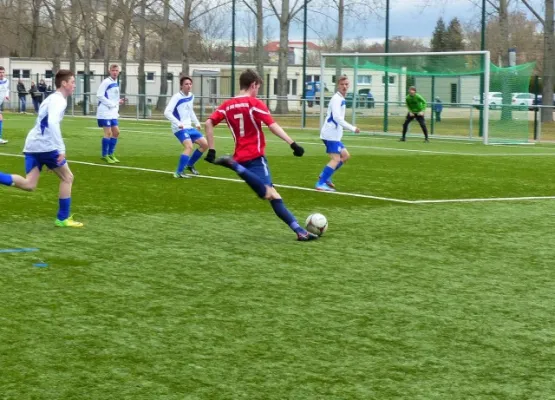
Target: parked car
<point x="526" y="100"/>
<point x="495" y="99"/>
<point x="540" y="102"/>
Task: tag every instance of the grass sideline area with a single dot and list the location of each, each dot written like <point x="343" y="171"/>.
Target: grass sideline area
<point x="435" y="279"/>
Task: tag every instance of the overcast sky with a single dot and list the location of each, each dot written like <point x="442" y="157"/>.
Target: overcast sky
<point x="411" y="18"/>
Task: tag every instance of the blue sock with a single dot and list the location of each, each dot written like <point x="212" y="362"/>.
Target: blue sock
<point x="339" y="165"/>
<point x="63" y="212"/>
<point x="1" y="123"/>
<point x="326" y="174"/>
<point x="251" y="179"/>
<point x="105" y="145"/>
<point x="112" y="145"/>
<point x="195" y="157"/>
<point x="6" y="179"/>
<point x="183" y="160"/>
<point x="285" y="215"/>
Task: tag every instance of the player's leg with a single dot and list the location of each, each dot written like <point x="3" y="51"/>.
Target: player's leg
<point x="197" y="154"/>
<point x="107" y="130"/>
<point x="187" y="143"/>
<point x="28" y="183"/>
<point x="251" y="179"/>
<point x="333" y="149"/>
<point x="64" y="218"/>
<point x="2" y="140"/>
<point x="422" y="123"/>
<point x="113" y="140"/>
<point x="408" y="120"/>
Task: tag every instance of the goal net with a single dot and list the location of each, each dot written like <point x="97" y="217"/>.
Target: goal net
<point x="467" y="96"/>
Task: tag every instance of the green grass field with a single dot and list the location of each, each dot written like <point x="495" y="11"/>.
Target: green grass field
<point x="432" y="281"/>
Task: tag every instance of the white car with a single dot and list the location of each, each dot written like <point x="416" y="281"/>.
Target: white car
<point x="495" y="99"/>
<point x="526" y="100"/>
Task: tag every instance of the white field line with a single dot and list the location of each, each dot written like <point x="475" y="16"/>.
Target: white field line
<point x="451" y="153"/>
<point x="365" y="196"/>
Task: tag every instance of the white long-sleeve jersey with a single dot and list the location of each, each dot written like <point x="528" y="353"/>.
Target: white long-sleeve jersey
<point x="179" y="111"/>
<point x="335" y="119"/>
<point x="4" y="90"/>
<point x="108" y="99"/>
<point x="46" y="135"/>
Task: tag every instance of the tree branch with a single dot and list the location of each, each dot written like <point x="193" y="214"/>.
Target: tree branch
<point x="538" y="16"/>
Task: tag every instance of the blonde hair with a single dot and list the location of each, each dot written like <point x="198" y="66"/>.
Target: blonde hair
<point x="114" y="66"/>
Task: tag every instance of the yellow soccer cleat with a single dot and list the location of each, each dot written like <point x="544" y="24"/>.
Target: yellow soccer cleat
<point x="69" y="222"/>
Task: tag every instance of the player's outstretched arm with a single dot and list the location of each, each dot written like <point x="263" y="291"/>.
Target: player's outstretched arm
<point x="280" y="133"/>
<point x="209" y="131"/>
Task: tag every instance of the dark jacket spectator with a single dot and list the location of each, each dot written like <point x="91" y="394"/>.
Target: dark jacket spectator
<point x="48" y="91"/>
<point x="22" y="94"/>
<point x="42" y="89"/>
<point x="36" y="96"/>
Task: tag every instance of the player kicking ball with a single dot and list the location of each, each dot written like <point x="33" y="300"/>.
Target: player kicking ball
<point x="416" y="106"/>
<point x="44" y="146"/>
<point x="244" y="115"/>
<point x="332" y="133"/>
<point x="180" y="113"/>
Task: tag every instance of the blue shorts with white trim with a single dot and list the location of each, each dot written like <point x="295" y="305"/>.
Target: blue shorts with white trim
<point x="259" y="167"/>
<point x="189" y="133"/>
<point x="333" y="146"/>
<point x="107" y="122"/>
<point x="50" y="159"/>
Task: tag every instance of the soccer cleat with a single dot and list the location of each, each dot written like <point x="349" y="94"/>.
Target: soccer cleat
<point x="178" y="175"/>
<point x="192" y="170"/>
<point x="329" y="183"/>
<point x="225" y="161"/>
<point x="426" y="140"/>
<point x="114" y="159"/>
<point x="324" y="187"/>
<point x="69" y="222"/>
<point x="402" y="139"/>
<point x="108" y="159"/>
<point x="2" y="141"/>
<point x="306" y="236"/>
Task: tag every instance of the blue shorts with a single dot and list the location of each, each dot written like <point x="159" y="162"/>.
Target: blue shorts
<point x="107" y="122"/>
<point x="49" y="159"/>
<point x="189" y="133"/>
<point x="333" y="146"/>
<point x="259" y="167"/>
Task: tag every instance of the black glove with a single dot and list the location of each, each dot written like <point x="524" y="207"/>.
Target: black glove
<point x="211" y="156"/>
<point x="298" y="151"/>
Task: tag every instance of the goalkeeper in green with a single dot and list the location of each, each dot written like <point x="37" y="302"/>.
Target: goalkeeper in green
<point x="416" y="106"/>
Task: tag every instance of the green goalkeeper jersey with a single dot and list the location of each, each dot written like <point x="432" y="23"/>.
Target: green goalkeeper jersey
<point x="415" y="103"/>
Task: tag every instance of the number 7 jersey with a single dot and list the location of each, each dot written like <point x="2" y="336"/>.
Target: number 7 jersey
<point x="244" y="116"/>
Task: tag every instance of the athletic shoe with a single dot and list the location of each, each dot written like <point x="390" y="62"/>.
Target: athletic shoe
<point x="114" y="159"/>
<point x="192" y="170"/>
<point x="426" y="140"/>
<point x="324" y="188"/>
<point x="2" y="141"/>
<point x="402" y="139"/>
<point x="225" y="161"/>
<point x="306" y="236"/>
<point x="108" y="159"/>
<point x="329" y="183"/>
<point x="69" y="222"/>
<point x="176" y="175"/>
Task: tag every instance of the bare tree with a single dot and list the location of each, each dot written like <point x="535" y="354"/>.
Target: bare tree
<point x="285" y="16"/>
<point x="258" y="11"/>
<point x="161" y="103"/>
<point x="548" y="57"/>
<point x="55" y="12"/>
<point x="142" y="55"/>
<point x="126" y="8"/>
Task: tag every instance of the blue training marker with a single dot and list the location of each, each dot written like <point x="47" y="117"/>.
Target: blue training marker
<point x="40" y="265"/>
<point x="23" y="250"/>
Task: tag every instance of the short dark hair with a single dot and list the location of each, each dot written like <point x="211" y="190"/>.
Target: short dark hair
<point x="2" y="68"/>
<point x="412" y="88"/>
<point x="248" y="77"/>
<point x="61" y="76"/>
<point x="183" y="79"/>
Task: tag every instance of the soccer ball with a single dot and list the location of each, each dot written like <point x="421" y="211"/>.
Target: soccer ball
<point x="317" y="224"/>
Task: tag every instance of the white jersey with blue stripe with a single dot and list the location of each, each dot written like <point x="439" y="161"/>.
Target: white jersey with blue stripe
<point x="108" y="99"/>
<point x="179" y="111"/>
<point x="4" y="90"/>
<point x="335" y="119"/>
<point x="46" y="135"/>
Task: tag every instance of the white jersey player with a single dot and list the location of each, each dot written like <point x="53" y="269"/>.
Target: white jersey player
<point x="4" y="95"/>
<point x="45" y="146"/>
<point x="332" y="133"/>
<point x="181" y="114"/>
<point x="107" y="114"/>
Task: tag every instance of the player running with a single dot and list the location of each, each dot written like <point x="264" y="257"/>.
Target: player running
<point x="44" y="146"/>
<point x="332" y="133"/>
<point x="180" y="113"/>
<point x="244" y="115"/>
<point x="4" y="95"/>
<point x="107" y="114"/>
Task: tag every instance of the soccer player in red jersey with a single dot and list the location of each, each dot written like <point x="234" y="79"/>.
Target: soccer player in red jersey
<point x="244" y="115"/>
